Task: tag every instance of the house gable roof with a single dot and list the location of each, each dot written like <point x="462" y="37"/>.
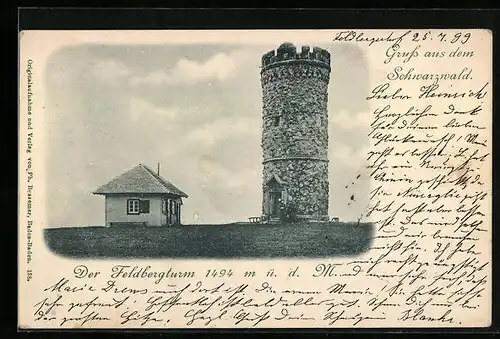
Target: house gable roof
<point x="141" y="180"/>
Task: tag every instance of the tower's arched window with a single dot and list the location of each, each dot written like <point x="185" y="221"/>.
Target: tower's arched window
<point x="276" y="121"/>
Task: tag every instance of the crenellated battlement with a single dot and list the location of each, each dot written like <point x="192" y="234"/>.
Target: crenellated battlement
<point x="287" y="52"/>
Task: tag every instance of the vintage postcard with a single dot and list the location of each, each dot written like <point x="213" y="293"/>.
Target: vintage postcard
<point x="255" y="179"/>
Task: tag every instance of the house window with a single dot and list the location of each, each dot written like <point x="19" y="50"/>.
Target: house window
<point x="136" y="206"/>
<point x="133" y="206"/>
<point x="144" y="206"/>
<point x="276" y="121"/>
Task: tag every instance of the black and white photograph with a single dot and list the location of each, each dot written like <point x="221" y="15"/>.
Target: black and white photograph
<point x="207" y="150"/>
<point x="239" y="179"/>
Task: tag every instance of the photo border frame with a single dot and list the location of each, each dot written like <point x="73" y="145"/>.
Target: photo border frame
<point x="204" y="19"/>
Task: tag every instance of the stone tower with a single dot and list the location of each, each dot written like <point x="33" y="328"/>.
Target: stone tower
<point x="295" y="132"/>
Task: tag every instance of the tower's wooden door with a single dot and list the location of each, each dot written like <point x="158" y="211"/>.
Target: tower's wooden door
<point x="275" y="204"/>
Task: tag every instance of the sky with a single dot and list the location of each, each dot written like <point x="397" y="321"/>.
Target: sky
<point x="197" y="110"/>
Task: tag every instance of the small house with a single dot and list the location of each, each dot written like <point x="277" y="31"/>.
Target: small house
<point x="141" y="197"/>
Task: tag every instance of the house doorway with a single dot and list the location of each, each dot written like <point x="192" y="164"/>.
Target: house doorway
<point x="171" y="212"/>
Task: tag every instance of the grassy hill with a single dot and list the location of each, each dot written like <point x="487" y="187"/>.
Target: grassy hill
<point x="213" y="241"/>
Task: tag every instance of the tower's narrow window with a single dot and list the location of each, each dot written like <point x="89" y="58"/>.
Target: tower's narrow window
<point x="276" y="120"/>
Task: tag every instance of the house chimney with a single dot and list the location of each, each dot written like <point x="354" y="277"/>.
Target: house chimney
<point x="158" y="169"/>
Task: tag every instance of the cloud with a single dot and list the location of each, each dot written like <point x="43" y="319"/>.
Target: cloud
<point x="224" y="128"/>
<point x="340" y="151"/>
<point x="142" y="109"/>
<point x="219" y="67"/>
<point x="109" y="71"/>
<point x="212" y="170"/>
<point x="348" y="155"/>
<point x="345" y="120"/>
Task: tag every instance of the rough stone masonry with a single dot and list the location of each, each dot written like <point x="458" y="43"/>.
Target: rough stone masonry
<point x="295" y="131"/>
